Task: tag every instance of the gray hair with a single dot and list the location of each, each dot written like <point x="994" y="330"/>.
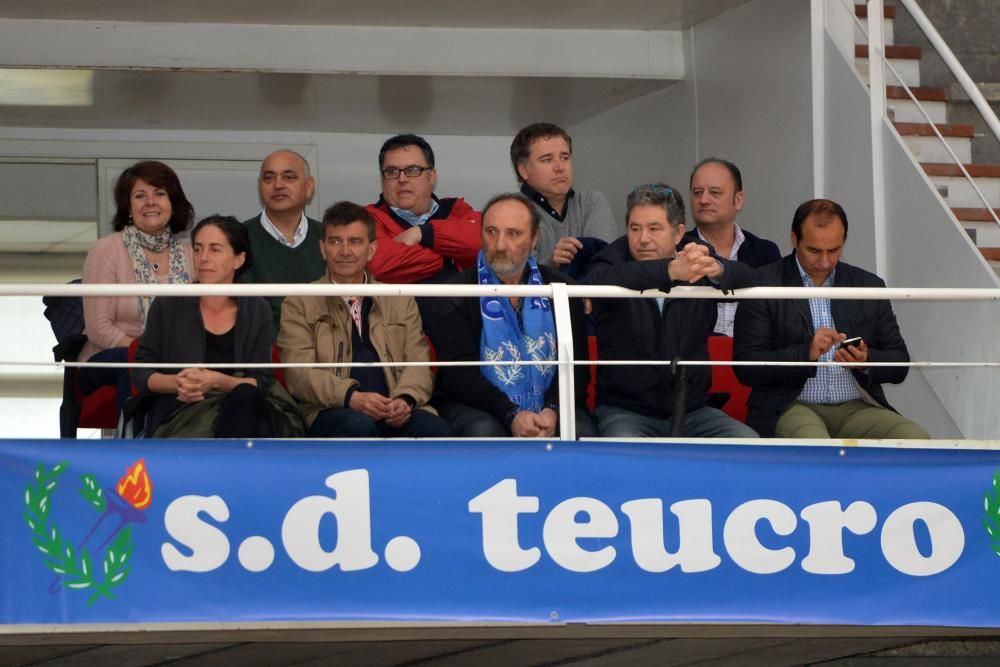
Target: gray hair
<point x="657" y="194"/>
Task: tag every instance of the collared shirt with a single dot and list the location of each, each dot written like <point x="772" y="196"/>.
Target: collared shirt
<point x="413" y="218"/>
<point x="297" y="238"/>
<point x="727" y="311"/>
<point x="832" y="384"/>
<point x="535" y="196"/>
<point x="354" y="305"/>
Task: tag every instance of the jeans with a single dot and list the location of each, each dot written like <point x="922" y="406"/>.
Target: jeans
<point x="469" y="422"/>
<point x="348" y="423"/>
<point x="704" y="422"/>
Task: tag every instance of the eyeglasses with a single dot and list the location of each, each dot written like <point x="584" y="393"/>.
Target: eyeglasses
<point x="412" y="171"/>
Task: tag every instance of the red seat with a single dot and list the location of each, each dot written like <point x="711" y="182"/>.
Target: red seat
<point x="720" y="348"/>
<point x="279" y="373"/>
<point x="592" y="386"/>
<point x="96" y="410"/>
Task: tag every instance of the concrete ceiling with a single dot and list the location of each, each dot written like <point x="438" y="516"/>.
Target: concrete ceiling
<point x="557" y="14"/>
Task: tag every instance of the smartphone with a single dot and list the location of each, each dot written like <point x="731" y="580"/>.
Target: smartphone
<point x="850" y="341"/>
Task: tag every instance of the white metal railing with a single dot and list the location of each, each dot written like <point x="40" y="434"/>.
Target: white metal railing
<point x="964" y="80"/>
<point x="876" y="61"/>
<point x="559" y="293"/>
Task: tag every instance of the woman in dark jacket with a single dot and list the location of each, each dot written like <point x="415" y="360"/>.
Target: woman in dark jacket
<point x="192" y="401"/>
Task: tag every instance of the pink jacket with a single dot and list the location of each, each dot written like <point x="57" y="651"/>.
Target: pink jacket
<point x="108" y="319"/>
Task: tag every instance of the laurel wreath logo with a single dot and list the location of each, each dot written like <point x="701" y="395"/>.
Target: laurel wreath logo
<point x="991" y="513"/>
<point x="76" y="569"/>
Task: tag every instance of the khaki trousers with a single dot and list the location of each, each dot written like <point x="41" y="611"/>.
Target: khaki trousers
<point x="853" y="419"/>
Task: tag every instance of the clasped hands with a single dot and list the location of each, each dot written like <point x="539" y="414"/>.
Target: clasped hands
<point x="825" y="338"/>
<point x="194" y="383"/>
<point x="529" y="424"/>
<point x="394" y="411"/>
<point x="693" y="263"/>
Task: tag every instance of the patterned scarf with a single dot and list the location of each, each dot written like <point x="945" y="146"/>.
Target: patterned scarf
<point x="504" y="340"/>
<point x="137" y="240"/>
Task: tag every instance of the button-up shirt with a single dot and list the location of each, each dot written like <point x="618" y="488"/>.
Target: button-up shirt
<point x="297" y="238"/>
<point x="727" y="310"/>
<point x="413" y="218"/>
<point x="535" y="196"/>
<point x="832" y="384"/>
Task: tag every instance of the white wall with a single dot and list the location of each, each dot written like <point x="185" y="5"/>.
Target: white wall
<point x="751" y="73"/>
<point x="746" y="98"/>
<point x="644" y="140"/>
<point x="347" y="166"/>
<point x="930" y="249"/>
<point x="848" y="154"/>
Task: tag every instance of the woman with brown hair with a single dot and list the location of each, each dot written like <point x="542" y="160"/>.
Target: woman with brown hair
<point x="144" y="249"/>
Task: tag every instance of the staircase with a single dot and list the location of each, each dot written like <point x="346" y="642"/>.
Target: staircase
<point x="926" y="147"/>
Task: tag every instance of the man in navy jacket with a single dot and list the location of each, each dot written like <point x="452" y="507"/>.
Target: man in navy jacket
<point x="716" y="199"/>
<point x="640" y="401"/>
<point x="821" y="401"/>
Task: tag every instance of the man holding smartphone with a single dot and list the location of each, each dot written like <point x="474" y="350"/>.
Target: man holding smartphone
<point x="821" y="401"/>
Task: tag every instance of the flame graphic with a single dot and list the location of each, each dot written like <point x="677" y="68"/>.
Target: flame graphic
<point x="135" y="487"/>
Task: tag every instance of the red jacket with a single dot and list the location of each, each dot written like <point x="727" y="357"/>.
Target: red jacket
<point x="451" y="239"/>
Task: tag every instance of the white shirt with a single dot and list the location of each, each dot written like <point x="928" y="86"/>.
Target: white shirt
<point x="297" y="238"/>
<point x="727" y="311"/>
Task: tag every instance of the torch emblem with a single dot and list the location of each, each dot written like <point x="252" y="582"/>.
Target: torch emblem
<point x="118" y="508"/>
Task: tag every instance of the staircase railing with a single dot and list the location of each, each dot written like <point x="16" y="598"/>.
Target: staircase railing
<point x="877" y="59"/>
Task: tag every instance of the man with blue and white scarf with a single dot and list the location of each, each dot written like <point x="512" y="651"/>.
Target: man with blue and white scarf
<point x="504" y="400"/>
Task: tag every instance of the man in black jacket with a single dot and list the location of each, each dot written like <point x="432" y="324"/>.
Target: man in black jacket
<point x="821" y="401"/>
<point x="500" y="401"/>
<point x="716" y="199"/>
<point x="638" y="401"/>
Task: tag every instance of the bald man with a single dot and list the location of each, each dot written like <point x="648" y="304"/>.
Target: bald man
<point x="284" y="243"/>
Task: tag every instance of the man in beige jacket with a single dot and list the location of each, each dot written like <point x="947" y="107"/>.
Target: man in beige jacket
<point x="364" y="401"/>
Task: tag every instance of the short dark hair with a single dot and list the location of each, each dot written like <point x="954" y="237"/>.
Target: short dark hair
<point x="344" y="213"/>
<point x="402" y="141"/>
<point x="825" y="210"/>
<point x="158" y="175"/>
<point x="234" y="231"/>
<point x="657" y="194"/>
<point x="520" y="148"/>
<point x="536" y="219"/>
<point x="734" y="171"/>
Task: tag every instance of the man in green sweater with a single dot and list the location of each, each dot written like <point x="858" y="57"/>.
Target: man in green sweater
<point x="284" y="243"/>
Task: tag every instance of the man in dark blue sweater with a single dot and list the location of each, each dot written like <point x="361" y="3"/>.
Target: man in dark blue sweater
<point x="716" y="199"/>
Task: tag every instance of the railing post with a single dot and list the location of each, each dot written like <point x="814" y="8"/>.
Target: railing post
<point x="565" y="369"/>
<point x="876" y="80"/>
<point x="818" y="32"/>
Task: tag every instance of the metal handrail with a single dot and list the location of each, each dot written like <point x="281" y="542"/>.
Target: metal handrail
<point x="560" y="293"/>
<point x="465" y="290"/>
<point x="968" y="85"/>
<point x="957" y="70"/>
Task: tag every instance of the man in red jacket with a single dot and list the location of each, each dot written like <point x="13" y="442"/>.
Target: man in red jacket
<point x="421" y="238"/>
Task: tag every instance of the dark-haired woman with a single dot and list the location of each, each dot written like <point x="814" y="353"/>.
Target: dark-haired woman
<point x="197" y="402"/>
<point x="151" y="211"/>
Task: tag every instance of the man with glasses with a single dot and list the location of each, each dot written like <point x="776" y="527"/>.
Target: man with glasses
<point x="421" y="238"/>
<point x="642" y="400"/>
<point x="576" y="224"/>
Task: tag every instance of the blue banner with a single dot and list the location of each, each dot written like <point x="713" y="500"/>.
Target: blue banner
<point x="182" y="531"/>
